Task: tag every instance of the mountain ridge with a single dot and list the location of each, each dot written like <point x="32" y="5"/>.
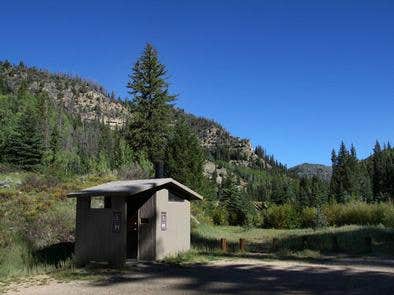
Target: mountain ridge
<point x="91" y="101"/>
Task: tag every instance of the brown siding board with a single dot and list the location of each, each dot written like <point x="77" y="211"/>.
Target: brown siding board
<point x="146" y="231"/>
<point x="95" y="240"/>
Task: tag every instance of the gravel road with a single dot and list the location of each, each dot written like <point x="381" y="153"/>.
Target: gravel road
<point x="240" y="276"/>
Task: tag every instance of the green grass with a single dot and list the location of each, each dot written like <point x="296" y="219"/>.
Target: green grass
<point x="234" y="233"/>
<point x="298" y="244"/>
<point x="346" y="239"/>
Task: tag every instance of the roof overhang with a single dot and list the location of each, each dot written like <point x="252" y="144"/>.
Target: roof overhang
<point x="128" y="188"/>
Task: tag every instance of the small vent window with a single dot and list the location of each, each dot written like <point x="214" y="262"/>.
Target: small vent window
<point x="100" y="202"/>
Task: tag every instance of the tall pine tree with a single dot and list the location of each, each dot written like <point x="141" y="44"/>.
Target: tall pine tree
<point x="24" y="146"/>
<point x="149" y="126"/>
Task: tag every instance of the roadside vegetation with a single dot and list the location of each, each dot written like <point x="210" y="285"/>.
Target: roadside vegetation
<point x="37" y="222"/>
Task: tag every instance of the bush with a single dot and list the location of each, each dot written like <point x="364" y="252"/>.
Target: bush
<point x="220" y="216"/>
<point x="54" y="226"/>
<point x="36" y="183"/>
<point x="201" y="212"/>
<point x="333" y="213"/>
<point x="288" y="216"/>
<point x="388" y="219"/>
<point x="308" y="217"/>
<point x="282" y="216"/>
<point x="359" y="213"/>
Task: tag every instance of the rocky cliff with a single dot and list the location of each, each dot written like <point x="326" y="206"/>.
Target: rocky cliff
<point x="310" y="170"/>
<point x="86" y="99"/>
<point x="91" y="102"/>
<point x="219" y="142"/>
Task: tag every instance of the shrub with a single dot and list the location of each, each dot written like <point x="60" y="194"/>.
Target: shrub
<point x="388" y="219"/>
<point x="34" y="182"/>
<point x="201" y="212"/>
<point x="288" y="216"/>
<point x="359" y="213"/>
<point x="66" y="163"/>
<point x="356" y="213"/>
<point x="220" y="216"/>
<point x="54" y="226"/>
<point x="282" y="216"/>
<point x="333" y="213"/>
<point x="308" y="217"/>
<point x="102" y="164"/>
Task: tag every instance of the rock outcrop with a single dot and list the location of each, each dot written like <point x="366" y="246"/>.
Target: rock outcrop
<point x="90" y="101"/>
<point x="221" y="144"/>
<point x="81" y="97"/>
<point x="309" y="170"/>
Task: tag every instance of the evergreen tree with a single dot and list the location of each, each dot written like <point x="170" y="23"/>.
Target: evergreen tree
<point x="364" y="184"/>
<point x="335" y="177"/>
<point x="185" y="157"/>
<point x="239" y="207"/>
<point x="305" y="192"/>
<point x="344" y="165"/>
<point x="149" y="126"/>
<point x="124" y="155"/>
<point x="24" y="147"/>
<point x="378" y="172"/>
<point x="383" y="172"/>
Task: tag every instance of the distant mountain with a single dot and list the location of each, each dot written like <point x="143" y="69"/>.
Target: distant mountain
<point x="309" y="170"/>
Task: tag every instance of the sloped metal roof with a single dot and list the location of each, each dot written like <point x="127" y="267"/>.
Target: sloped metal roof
<point x="132" y="187"/>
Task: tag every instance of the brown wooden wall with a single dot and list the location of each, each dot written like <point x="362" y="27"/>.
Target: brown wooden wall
<point x="147" y="231"/>
<point x="95" y="239"/>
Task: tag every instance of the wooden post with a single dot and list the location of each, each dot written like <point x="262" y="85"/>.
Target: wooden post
<point x="275" y="244"/>
<point x="223" y="245"/>
<point x="368" y="244"/>
<point x="335" y="244"/>
<point x="242" y="245"/>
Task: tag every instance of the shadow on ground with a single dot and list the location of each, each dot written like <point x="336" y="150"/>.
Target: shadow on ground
<point x="246" y="278"/>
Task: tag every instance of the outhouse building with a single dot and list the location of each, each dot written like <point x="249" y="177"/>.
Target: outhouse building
<point x="133" y="219"/>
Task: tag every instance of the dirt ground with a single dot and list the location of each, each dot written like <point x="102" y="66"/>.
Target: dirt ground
<point x="239" y="276"/>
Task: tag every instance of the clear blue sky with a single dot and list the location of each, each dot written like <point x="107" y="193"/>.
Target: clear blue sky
<point x="296" y="77"/>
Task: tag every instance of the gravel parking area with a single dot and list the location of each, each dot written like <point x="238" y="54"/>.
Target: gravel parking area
<point x="236" y="276"/>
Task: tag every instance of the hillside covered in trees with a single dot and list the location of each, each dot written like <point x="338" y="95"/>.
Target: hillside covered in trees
<point x="61" y="126"/>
